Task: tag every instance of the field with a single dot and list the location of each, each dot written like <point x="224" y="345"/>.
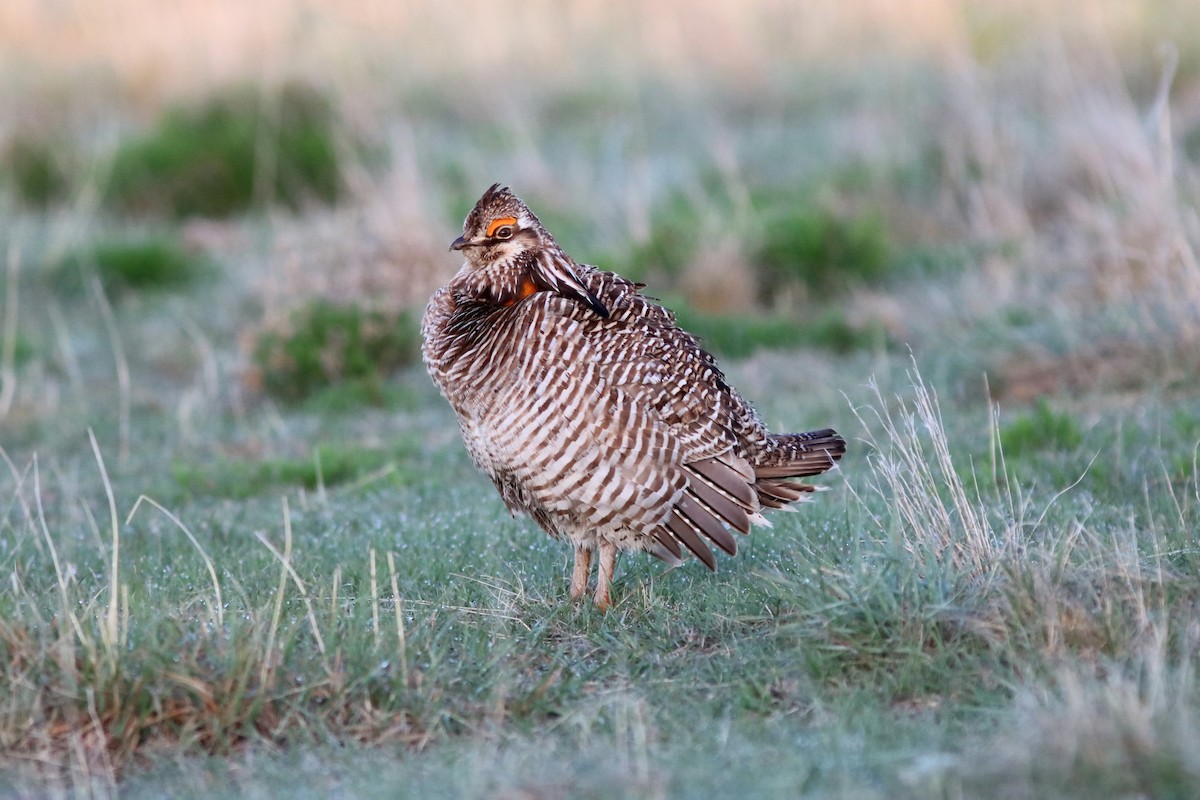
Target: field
<point x="243" y="551"/>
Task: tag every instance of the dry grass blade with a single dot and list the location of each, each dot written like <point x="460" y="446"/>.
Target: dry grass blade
<point x="219" y="608"/>
<point x="68" y="607"/>
<point x="398" y="610"/>
<point x="124" y="383"/>
<point x="112" y="633"/>
<point x="914" y="474"/>
<point x="374" y="599"/>
<point x="285" y="559"/>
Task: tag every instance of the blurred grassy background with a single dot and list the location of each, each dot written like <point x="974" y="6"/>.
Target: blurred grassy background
<point x="220" y="221"/>
<point x="842" y="170"/>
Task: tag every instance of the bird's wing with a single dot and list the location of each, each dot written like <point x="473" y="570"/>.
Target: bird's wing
<point x="624" y="424"/>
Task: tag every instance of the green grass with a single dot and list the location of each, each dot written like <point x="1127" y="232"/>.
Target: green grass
<point x="676" y="231"/>
<point x="741" y="335"/>
<point x="23" y="350"/>
<point x="131" y="264"/>
<point x="34" y="166"/>
<point x="336" y="355"/>
<point x="906" y="611"/>
<point x="328" y="466"/>
<point x="238" y="149"/>
<point x="793" y="246"/>
<point x="819" y="250"/>
<point x="1042" y="429"/>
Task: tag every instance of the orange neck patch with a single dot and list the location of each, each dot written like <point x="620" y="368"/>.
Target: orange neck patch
<point x="527" y="288"/>
<point x="499" y="223"/>
<point x="524" y="289"/>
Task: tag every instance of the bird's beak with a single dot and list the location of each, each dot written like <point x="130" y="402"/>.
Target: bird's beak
<point x="459" y="244"/>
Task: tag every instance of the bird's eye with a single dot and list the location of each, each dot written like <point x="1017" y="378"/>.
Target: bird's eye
<point x="501" y="228"/>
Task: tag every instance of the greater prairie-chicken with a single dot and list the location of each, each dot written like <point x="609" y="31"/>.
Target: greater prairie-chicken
<point x="592" y="411"/>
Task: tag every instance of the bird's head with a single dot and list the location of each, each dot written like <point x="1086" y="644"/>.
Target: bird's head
<point x="503" y="240"/>
<point x="499" y="228"/>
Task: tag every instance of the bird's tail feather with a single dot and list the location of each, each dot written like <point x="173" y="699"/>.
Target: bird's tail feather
<point x="794" y="455"/>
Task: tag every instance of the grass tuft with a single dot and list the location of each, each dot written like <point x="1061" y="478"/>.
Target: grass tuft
<point x="820" y="251"/>
<point x="132" y="264"/>
<point x="1122" y="730"/>
<point x="328" y="345"/>
<point x="239" y="149"/>
<point x="329" y="465"/>
<point x="741" y="335"/>
<point x="1039" y="430"/>
<point x="35" y="166"/>
<point x="675" y="231"/>
<point x="932" y="513"/>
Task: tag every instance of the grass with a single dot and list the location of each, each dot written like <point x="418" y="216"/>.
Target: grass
<point x="335" y="346"/>
<point x="131" y="264"/>
<point x="741" y="335"/>
<point x="887" y="617"/>
<point x="817" y="251"/>
<point x="310" y="591"/>
<point x="676" y="230"/>
<point x="328" y="466"/>
<point x="35" y="167"/>
<point x="238" y="149"/>
<point x="1042" y="429"/>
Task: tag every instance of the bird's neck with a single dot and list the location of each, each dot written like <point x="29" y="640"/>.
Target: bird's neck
<point x="505" y="282"/>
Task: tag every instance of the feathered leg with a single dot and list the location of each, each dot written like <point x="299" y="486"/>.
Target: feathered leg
<point x="608" y="564"/>
<point x="579" y="575"/>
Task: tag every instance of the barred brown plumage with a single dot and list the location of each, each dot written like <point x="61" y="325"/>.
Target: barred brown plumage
<point x="592" y="411"/>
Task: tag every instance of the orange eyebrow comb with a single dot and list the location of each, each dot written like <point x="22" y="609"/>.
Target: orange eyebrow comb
<point x="500" y="223"/>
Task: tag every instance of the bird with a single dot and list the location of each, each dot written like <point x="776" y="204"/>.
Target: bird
<point x="593" y="412"/>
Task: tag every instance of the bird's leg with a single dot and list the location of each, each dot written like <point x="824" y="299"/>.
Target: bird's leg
<point x="579" y="575"/>
<point x="608" y="564"/>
